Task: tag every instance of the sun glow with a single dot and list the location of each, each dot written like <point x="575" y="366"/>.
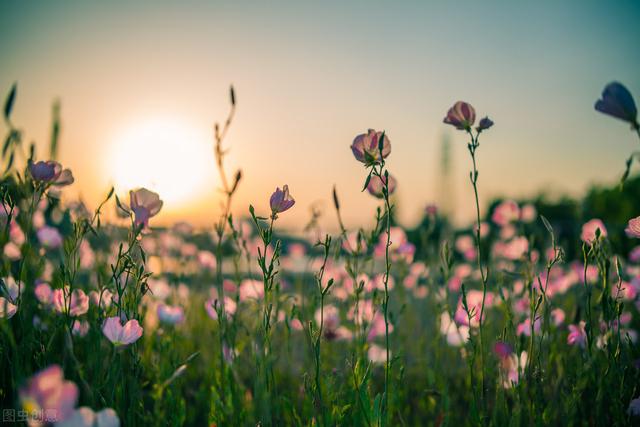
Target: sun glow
<point x="168" y="156"/>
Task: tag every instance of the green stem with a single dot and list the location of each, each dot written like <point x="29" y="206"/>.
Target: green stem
<point x="473" y="146"/>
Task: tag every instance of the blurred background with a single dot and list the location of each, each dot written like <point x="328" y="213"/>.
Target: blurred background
<point x="141" y="84"/>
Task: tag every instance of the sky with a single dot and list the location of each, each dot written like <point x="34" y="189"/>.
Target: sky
<point x="142" y="83"/>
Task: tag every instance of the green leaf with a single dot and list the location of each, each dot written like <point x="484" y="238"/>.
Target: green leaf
<point x="121" y="206"/>
<point x="366" y="182"/>
<point x="8" y="104"/>
<point x="55" y="130"/>
<point x="547" y="224"/>
<point x="232" y="94"/>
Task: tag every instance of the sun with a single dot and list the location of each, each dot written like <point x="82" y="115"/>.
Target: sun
<point x="169" y="156"/>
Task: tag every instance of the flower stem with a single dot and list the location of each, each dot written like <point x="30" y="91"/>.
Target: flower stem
<point x="473" y="146"/>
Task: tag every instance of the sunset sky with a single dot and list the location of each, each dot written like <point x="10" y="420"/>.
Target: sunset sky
<point x="141" y="84"/>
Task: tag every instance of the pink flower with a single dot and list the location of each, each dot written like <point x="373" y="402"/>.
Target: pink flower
<point x="376" y="186"/>
<point x="377" y="354"/>
<point x="354" y="243"/>
<point x="366" y="147"/>
<point x="511" y="367"/>
<point x="634" y="255"/>
<point x="120" y="335"/>
<point x="331" y="321"/>
<point x="281" y="201"/>
<point x="44" y="294"/>
<point x="502" y="350"/>
<point x="7" y="309"/>
<point x="251" y="289"/>
<point x="49" y="237"/>
<point x="102" y="299"/>
<point x="50" y="172"/>
<point x="524" y="328"/>
<point x="207" y="260"/>
<point x="297" y="250"/>
<point x="514" y="249"/>
<point x="456" y="335"/>
<point x="633" y="228"/>
<point x="617" y="102"/>
<point x="577" y="335"/>
<point x="16" y="234"/>
<point x="47" y="394"/>
<point x="589" y="229"/>
<point x="80" y="328"/>
<point x="12" y="251"/>
<point x="78" y="305"/>
<point x="377" y="327"/>
<point x="461" y="115"/>
<point x="557" y="316"/>
<point x="528" y="213"/>
<point x="505" y="213"/>
<point x="171" y="315"/>
<point x="144" y="204"/>
<point x="230" y="307"/>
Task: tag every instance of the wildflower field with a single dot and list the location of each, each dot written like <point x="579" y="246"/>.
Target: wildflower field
<point x="527" y="316"/>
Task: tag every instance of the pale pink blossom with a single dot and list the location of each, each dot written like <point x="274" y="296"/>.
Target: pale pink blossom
<point x="145" y="204"/>
<point x="557" y="316"/>
<point x="159" y="288"/>
<point x="16" y="235"/>
<point x="377" y="327"/>
<point x="7" y="309"/>
<point x="377" y="354"/>
<point x="87" y="256"/>
<point x="366" y="147"/>
<point x="281" y="201"/>
<point x="331" y="321"/>
<point x="577" y="335"/>
<point x="633" y="228"/>
<point x="102" y="299"/>
<point x="171" y="315"/>
<point x="12" y="251"/>
<point x="515" y="249"/>
<point x="506" y="213"/>
<point x="376" y="186"/>
<point x="456" y="335"/>
<point x="210" y="306"/>
<point x="75" y="304"/>
<point x="121" y="335"/>
<point x="511" y="367"/>
<point x="251" y="289"/>
<point x="207" y="260"/>
<point x="528" y="213"/>
<point x="80" y="328"/>
<point x="43" y="293"/>
<point x="50" y="172"/>
<point x="502" y="349"/>
<point x="354" y="243"/>
<point x="634" y="255"/>
<point x="48" y="395"/>
<point x="589" y="229"/>
<point x="524" y="328"/>
<point x="49" y="237"/>
<point x="462" y="115"/>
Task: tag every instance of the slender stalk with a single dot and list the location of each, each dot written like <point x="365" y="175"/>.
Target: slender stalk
<point x="385" y="306"/>
<point x="473" y="146"/>
<point x="317" y="349"/>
